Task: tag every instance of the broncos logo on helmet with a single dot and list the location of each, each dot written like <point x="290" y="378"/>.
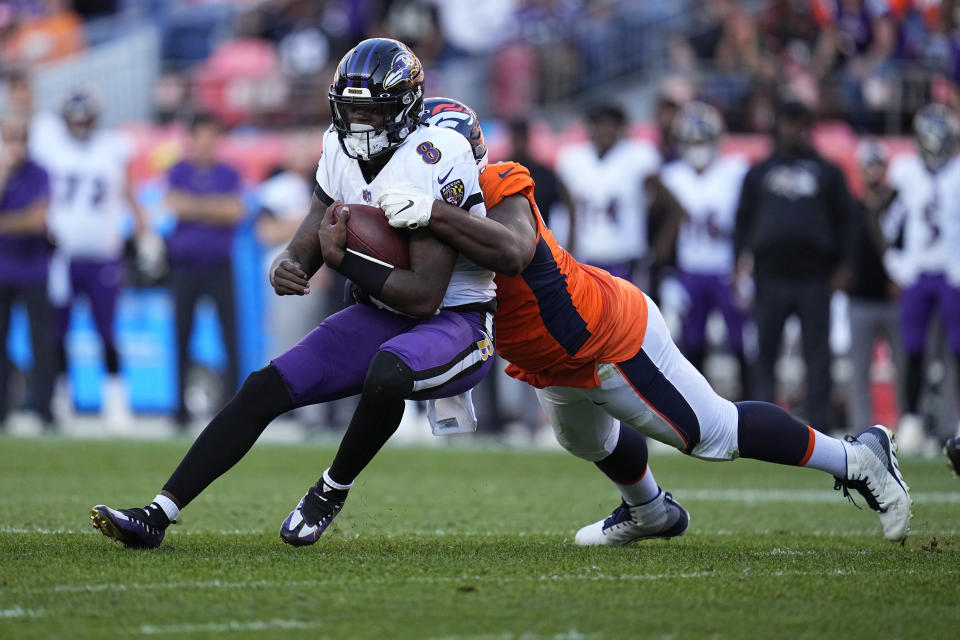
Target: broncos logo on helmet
<point x="382" y="75"/>
<point x="935" y="130"/>
<point x="453" y="114"/>
<point x="697" y="128"/>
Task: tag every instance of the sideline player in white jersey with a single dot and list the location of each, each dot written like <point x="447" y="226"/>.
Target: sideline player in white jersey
<point x="612" y="180"/>
<point x="424" y="333"/>
<point x="707" y="186"/>
<point x="923" y="257"/>
<point x="91" y="197"/>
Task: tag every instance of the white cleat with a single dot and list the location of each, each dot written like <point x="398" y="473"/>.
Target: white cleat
<point x="663" y="517"/>
<point x="874" y="472"/>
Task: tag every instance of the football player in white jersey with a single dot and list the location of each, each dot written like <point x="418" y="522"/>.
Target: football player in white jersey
<point x="612" y="179"/>
<point x="708" y="188"/>
<point x="922" y="259"/>
<point x="424" y="333"/>
<point x="91" y="197"/>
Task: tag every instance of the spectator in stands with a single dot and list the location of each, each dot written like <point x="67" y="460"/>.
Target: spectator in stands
<point x="858" y="38"/>
<point x="874" y="311"/>
<point x="24" y="259"/>
<point x="205" y="196"/>
<point x="793" y="229"/>
<point x="55" y="34"/>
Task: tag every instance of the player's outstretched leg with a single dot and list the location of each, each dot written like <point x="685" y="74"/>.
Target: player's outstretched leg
<point x="645" y="511"/>
<point x="225" y="440"/>
<point x="866" y="463"/>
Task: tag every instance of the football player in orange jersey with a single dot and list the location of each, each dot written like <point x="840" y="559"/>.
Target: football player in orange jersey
<point x="598" y="352"/>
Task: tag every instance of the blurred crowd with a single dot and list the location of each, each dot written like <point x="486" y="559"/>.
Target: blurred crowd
<point x="268" y="62"/>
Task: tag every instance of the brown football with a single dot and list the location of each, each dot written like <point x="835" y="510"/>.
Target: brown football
<point x="369" y="233"/>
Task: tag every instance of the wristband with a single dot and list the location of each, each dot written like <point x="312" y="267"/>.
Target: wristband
<point x="369" y="273"/>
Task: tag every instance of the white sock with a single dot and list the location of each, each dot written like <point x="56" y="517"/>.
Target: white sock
<point x="829" y="454"/>
<point x="642" y="491"/>
<point x="169" y="506"/>
<point x="335" y="485"/>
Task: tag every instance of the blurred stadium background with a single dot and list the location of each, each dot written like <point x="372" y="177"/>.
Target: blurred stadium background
<point x="262" y="68"/>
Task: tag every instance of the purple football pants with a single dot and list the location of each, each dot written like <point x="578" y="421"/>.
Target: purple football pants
<point x="100" y="281"/>
<point x="709" y="292"/>
<point x="448" y="353"/>
<point x="916" y="310"/>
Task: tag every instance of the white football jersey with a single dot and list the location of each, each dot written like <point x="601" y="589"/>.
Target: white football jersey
<point x="439" y="161"/>
<point x="705" y="242"/>
<point x="87" y="204"/>
<point x="925" y="214"/>
<point x="610" y="199"/>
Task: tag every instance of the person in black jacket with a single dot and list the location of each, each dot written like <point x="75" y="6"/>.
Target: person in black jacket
<point x="793" y="231"/>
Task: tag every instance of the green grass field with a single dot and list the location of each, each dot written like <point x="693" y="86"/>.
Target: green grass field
<point x="458" y="543"/>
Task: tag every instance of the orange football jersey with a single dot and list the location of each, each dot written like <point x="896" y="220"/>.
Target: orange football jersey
<point x="559" y="318"/>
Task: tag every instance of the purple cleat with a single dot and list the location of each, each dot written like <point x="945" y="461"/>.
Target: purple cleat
<point x="313" y="514"/>
<point x="135" y="528"/>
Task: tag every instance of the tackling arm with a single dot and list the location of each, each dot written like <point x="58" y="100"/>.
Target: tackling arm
<point x="503" y="242"/>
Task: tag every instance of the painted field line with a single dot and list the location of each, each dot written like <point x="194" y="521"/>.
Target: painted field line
<point x="227" y="627"/>
<point x="444" y="580"/>
<point x="20" y="612"/>
<point x="573" y="634"/>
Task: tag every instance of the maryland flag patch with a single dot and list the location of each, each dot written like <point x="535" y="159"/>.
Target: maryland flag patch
<point x="453" y="193"/>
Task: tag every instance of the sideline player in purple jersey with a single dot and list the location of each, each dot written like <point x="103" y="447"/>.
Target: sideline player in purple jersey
<point x="922" y="256"/>
<point x="91" y="194"/>
<point x="423" y="333"/>
<point x="24" y="259"/>
<point x="708" y="188"/>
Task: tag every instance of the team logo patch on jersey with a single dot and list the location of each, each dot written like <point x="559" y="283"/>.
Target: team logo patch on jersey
<point x="453" y="192"/>
<point x="367" y="196"/>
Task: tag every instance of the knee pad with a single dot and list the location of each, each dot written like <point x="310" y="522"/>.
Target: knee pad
<point x="264" y="392"/>
<point x="388" y="376"/>
<point x="719" y="433"/>
<point x="590" y="442"/>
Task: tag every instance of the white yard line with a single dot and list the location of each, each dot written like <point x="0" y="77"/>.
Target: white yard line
<point x="227" y="627"/>
<point x="20" y="612"/>
<point x="463" y="579"/>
